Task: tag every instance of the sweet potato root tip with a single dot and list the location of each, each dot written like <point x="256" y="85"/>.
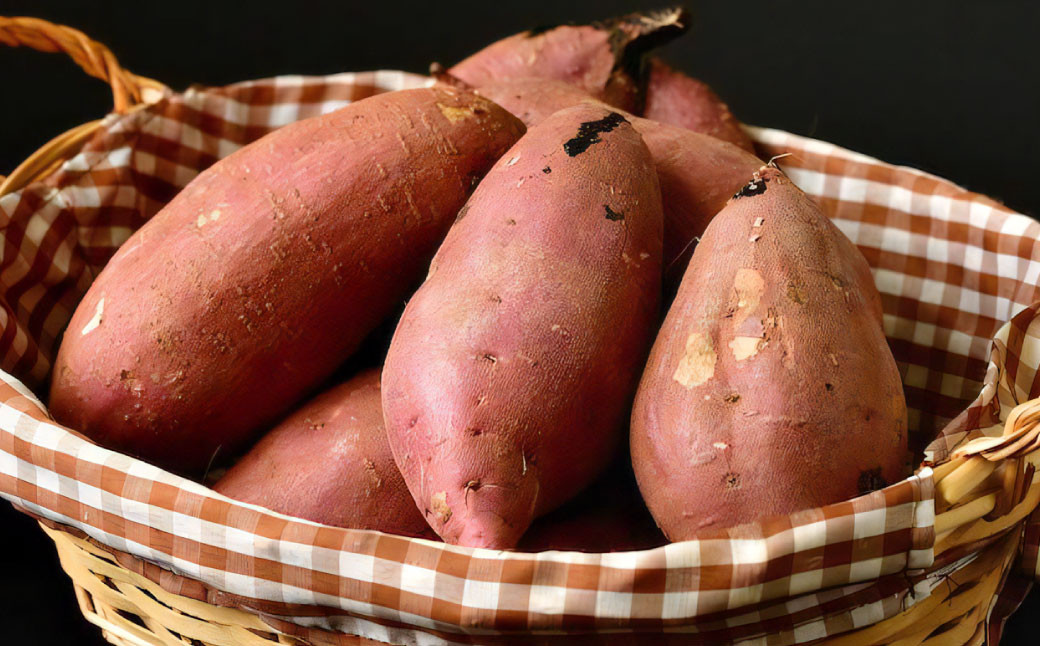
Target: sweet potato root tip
<point x="636" y="33"/>
<point x="603" y="58"/>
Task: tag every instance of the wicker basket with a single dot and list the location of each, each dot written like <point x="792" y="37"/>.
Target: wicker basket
<point x="984" y="494"/>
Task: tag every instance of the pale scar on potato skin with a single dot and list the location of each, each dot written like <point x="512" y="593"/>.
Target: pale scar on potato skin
<point x="439" y="505"/>
<point x="745" y="347"/>
<point x="95" y="320"/>
<point x="697" y="364"/>
<point x="203" y="219"/>
<point x="748" y="285"/>
<point x="456" y="114"/>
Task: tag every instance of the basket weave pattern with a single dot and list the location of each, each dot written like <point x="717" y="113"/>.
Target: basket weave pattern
<point x="161" y="560"/>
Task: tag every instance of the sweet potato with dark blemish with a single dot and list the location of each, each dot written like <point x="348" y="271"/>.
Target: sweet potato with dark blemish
<point x="680" y="100"/>
<point x="770" y="387"/>
<point x="604" y="58"/>
<point x="698" y="172"/>
<point x="267" y="271"/>
<point x="329" y="462"/>
<point x="508" y="379"/>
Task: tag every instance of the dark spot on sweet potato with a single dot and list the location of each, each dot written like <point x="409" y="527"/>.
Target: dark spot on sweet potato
<point x="412" y="422"/>
<point x="462" y="212"/>
<point x="495" y="298"/>
<point x="125" y="374"/>
<point x="511" y="222"/>
<point x="487" y="356"/>
<point x="473" y="485"/>
<point x="589" y="132"/>
<point x="732" y="480"/>
<point x="546" y="170"/>
<point x="829" y="387"/>
<point x="870" y="480"/>
<point x="474" y="432"/>
<point x="732" y="398"/>
<point x="613" y="215"/>
<point x="756" y="186"/>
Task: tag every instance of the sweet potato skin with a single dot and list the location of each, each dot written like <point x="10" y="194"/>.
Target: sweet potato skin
<point x="579" y="56"/>
<point x="770" y="387"/>
<point x="267" y="271"/>
<point x="698" y="175"/>
<point x="698" y="172"/>
<point x="508" y="377"/>
<point x="609" y="516"/>
<point x="329" y="462"/>
<point x="533" y="100"/>
<point x="680" y="100"/>
<point x="603" y="58"/>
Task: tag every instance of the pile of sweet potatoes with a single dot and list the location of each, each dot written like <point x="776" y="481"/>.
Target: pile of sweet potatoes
<point x="541" y="207"/>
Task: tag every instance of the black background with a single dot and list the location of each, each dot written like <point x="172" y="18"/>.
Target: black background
<point x="948" y="87"/>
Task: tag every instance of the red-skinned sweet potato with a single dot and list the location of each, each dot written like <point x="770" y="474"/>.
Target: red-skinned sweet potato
<point x="609" y="516"/>
<point x="771" y="387"/>
<point x="507" y="380"/>
<point x="604" y="58"/>
<point x="532" y="100"/>
<point x="680" y="100"/>
<point x="329" y="462"/>
<point x="698" y="173"/>
<point x="266" y="272"/>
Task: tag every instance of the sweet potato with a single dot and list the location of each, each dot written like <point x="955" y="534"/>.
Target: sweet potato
<point x="609" y="516"/>
<point x="675" y="98"/>
<point x="770" y="387"/>
<point x="604" y="58"/>
<point x="329" y="462"/>
<point x="266" y="272"/>
<point x="533" y="100"/>
<point x="507" y="380"/>
<point x="698" y="172"/>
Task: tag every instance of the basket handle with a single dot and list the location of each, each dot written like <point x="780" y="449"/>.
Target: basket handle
<point x="128" y="90"/>
<point x="987" y="485"/>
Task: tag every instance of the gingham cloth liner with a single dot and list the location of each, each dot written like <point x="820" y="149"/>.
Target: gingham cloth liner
<point x="951" y="266"/>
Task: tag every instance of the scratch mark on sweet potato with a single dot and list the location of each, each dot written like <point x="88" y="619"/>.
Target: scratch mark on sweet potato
<point x="745" y="347"/>
<point x="439" y="506"/>
<point x="95" y="320"/>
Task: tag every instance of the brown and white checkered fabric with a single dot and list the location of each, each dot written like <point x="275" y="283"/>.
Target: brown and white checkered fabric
<point x="956" y="271"/>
